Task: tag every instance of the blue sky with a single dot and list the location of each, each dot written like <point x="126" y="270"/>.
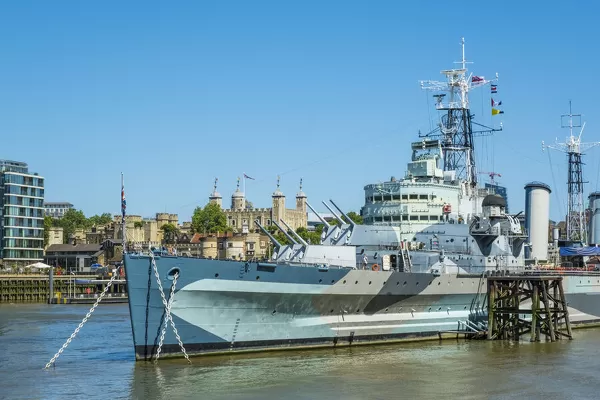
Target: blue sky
<point x="175" y="94"/>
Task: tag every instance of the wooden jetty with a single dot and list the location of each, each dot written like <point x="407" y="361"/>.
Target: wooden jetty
<point x="63" y="289"/>
<point x="548" y="312"/>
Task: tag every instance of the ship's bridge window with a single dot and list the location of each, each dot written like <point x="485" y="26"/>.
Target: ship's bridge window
<point x="387" y="218"/>
<point x="404" y="197"/>
<point x="396" y="218"/>
<point x="433" y="217"/>
<point x="414" y="196"/>
<point x="405" y="218"/>
<point x="424" y="197"/>
<point x="387" y="197"/>
<point x="424" y="217"/>
<point x="414" y="217"/>
<point x="377" y="219"/>
<point x="396" y="197"/>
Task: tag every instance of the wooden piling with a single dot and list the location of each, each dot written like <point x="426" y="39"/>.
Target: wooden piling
<point x="507" y="297"/>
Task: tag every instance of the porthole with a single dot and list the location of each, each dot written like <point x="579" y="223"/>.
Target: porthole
<point x="216" y="275"/>
<point x="257" y="277"/>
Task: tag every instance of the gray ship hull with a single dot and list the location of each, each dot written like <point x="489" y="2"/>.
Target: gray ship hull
<point x="227" y="306"/>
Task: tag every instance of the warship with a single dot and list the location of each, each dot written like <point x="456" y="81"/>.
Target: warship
<point x="417" y="267"/>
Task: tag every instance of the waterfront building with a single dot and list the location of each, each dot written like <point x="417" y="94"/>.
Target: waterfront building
<point x="21" y="213"/>
<point x="57" y="209"/>
<point x="242" y="215"/>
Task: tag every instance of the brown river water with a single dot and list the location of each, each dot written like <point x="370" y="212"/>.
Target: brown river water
<point x="99" y="363"/>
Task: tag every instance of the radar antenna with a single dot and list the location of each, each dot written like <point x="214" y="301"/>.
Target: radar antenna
<point x="576" y="226"/>
<point x="455" y="129"/>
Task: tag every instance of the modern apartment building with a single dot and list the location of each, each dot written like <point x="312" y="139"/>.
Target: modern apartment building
<point x="21" y="214"/>
<point x="57" y="210"/>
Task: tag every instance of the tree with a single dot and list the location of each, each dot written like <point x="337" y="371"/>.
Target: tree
<point x="170" y="232"/>
<point x="210" y="219"/>
<point x="138" y="224"/>
<point x="278" y="235"/>
<point x="97" y="220"/>
<point x="355" y="217"/>
<point x="48" y="222"/>
<point x="310" y="237"/>
<point x="71" y="220"/>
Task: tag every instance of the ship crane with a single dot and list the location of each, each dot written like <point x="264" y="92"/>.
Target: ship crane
<point x="492" y="176"/>
<point x="576" y="226"/>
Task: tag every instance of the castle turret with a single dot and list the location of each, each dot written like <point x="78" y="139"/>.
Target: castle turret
<point x="301" y="200"/>
<point x="238" y="201"/>
<point x="215" y="197"/>
<point x="278" y="211"/>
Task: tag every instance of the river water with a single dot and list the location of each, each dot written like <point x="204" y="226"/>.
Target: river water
<point x="99" y="363"/>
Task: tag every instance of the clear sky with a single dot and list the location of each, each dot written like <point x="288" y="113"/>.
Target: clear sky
<point x="174" y="94"/>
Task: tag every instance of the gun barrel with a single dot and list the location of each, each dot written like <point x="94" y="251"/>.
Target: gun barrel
<point x="294" y="233"/>
<point x="343" y="213"/>
<point x="341" y="221"/>
<point x="287" y="235"/>
<point x="266" y="232"/>
<point x="318" y="216"/>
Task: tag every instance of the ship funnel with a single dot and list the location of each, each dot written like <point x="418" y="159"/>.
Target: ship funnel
<point x="537" y="212"/>
<point x="341" y="221"/>
<point x="594" y="236"/>
<point x="266" y="232"/>
<point x="294" y="233"/>
<point x="343" y="213"/>
<point x="287" y="235"/>
<point x="318" y="216"/>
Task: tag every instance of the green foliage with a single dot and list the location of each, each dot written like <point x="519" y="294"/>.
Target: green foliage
<point x="75" y="219"/>
<point x="355" y="217"/>
<point x="72" y="220"/>
<point x="170" y="233"/>
<point x="169" y="228"/>
<point x="310" y="237"/>
<point x="97" y="220"/>
<point x="48" y="221"/>
<point x="278" y="235"/>
<point x="138" y="224"/>
<point x="210" y="219"/>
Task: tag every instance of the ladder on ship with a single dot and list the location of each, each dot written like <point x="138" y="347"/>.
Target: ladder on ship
<point x="405" y="257"/>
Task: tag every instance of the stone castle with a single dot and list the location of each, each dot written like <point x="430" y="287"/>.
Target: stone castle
<point x="241" y="216"/>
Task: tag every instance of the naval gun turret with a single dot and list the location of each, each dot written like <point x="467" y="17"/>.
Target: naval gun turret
<point x="302" y="253"/>
<point x="495" y="231"/>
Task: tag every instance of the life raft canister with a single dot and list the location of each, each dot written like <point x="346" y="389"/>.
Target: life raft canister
<point x="375" y="267"/>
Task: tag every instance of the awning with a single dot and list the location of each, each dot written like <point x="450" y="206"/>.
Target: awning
<point x="580" y="251"/>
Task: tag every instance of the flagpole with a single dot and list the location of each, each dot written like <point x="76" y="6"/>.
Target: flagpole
<point x="123" y="214"/>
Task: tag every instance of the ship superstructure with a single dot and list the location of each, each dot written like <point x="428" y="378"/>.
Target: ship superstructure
<point x="440" y="183"/>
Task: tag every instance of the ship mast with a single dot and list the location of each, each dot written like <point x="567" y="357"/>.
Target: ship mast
<point x="574" y="148"/>
<point x="455" y="129"/>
